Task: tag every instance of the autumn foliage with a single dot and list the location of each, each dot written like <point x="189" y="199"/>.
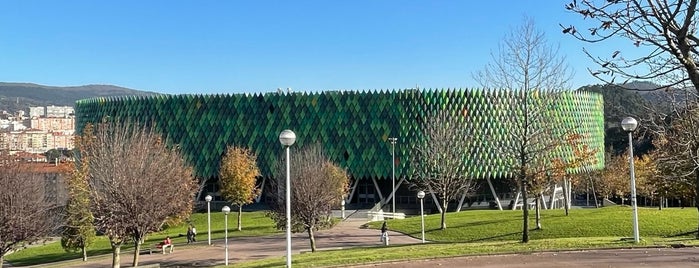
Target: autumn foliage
<point x="238" y="176"/>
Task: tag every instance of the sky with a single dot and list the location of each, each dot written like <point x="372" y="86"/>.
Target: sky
<point x="218" y="47"/>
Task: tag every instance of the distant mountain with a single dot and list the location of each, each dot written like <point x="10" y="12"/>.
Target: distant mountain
<point x="20" y="96"/>
<point x="631" y="99"/>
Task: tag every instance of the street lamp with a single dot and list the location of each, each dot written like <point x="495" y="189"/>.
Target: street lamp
<point x="629" y="124"/>
<point x="393" y="172"/>
<point x="287" y="138"/>
<point x="421" y="195"/>
<point x="225" y="211"/>
<point x="208" y="216"/>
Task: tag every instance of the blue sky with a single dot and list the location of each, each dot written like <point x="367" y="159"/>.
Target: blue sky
<point x="188" y="47"/>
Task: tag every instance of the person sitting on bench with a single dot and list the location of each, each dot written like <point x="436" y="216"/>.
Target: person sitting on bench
<point x="167" y="243"/>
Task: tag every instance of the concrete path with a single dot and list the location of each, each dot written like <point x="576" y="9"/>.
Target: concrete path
<point x="348" y="233"/>
<point x="619" y="258"/>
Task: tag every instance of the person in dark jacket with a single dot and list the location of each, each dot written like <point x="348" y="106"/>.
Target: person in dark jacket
<point x="384" y="231"/>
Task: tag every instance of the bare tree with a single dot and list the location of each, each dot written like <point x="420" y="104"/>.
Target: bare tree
<point x="441" y="161"/>
<point x="536" y="74"/>
<point x="238" y="178"/>
<point x="316" y="186"/>
<point x="666" y="30"/>
<point x="136" y="184"/>
<point x="24" y="207"/>
<point x="677" y="156"/>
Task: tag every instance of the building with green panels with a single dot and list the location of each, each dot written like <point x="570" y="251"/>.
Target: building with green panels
<point x="352" y="126"/>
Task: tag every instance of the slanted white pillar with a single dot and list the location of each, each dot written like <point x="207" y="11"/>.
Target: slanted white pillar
<point x="434" y="198"/>
<point x="492" y="190"/>
<point x="378" y="191"/>
<point x="461" y="201"/>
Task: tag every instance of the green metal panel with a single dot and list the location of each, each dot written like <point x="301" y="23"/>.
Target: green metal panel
<point x="352" y="126"/>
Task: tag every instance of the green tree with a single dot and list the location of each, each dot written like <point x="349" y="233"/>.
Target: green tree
<point x="79" y="232"/>
<point x="52" y="155"/>
<point x="238" y="175"/>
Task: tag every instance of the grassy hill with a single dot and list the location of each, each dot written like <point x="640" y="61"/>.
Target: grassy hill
<point x="20" y="96"/>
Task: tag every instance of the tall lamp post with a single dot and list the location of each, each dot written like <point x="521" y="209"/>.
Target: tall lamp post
<point x="421" y="196"/>
<point x="208" y="216"/>
<point x="287" y="138"/>
<point x="629" y="125"/>
<point x="393" y="173"/>
<point x="225" y="211"/>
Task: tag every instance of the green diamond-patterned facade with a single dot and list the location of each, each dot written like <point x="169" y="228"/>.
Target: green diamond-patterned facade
<point x="353" y="127"/>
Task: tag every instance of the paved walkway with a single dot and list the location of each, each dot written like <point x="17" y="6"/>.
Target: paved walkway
<point x="348" y="233"/>
<point x="618" y="258"/>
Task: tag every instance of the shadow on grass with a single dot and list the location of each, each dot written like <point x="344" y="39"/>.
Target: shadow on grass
<point x="493" y="238"/>
<point x="56" y="257"/>
<point x="694" y="232"/>
<point x="481" y="223"/>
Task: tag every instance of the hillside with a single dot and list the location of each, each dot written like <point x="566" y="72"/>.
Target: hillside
<point x="20" y="96"/>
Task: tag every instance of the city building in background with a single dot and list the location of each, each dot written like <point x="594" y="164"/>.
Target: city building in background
<point x="46" y="128"/>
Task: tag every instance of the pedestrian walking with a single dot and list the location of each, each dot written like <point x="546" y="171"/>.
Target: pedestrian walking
<point x="194" y="233"/>
<point x="384" y="233"/>
<point x="190" y="235"/>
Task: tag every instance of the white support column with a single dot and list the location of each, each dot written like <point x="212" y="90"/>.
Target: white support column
<point x="390" y="196"/>
<point x="378" y="191"/>
<point x="354" y="189"/>
<point x="553" y="196"/>
<point x="461" y="202"/>
<point x="434" y="199"/>
<point x="569" y="192"/>
<point x="492" y="190"/>
<point x="543" y="200"/>
<point x="262" y="190"/>
<point x="514" y="206"/>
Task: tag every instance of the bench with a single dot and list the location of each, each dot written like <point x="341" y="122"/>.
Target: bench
<point x="161" y="247"/>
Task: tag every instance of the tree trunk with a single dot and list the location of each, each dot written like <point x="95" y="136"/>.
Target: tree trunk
<point x="2" y="259"/>
<point x="312" y="238"/>
<point x="696" y="200"/>
<point x="84" y="249"/>
<point x="525" y="210"/>
<point x="660" y="203"/>
<point x="444" y="212"/>
<point x="116" y="250"/>
<point x="538" y="214"/>
<point x="594" y="195"/>
<point x="566" y="200"/>
<point x="137" y="247"/>
<point x="240" y="217"/>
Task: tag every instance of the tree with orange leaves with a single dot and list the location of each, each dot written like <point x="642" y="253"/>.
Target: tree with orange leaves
<point x="238" y="177"/>
<point x="583" y="158"/>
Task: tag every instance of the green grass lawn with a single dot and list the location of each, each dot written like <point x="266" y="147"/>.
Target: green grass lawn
<point x="496" y="232"/>
<point x="254" y="224"/>
<point x="491" y="225"/>
<point x="468" y="233"/>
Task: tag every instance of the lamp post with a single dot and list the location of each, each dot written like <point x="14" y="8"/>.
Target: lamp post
<point x="421" y="196"/>
<point x="225" y="211"/>
<point x="629" y="124"/>
<point x="208" y="216"/>
<point x="393" y="173"/>
<point x="287" y="138"/>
